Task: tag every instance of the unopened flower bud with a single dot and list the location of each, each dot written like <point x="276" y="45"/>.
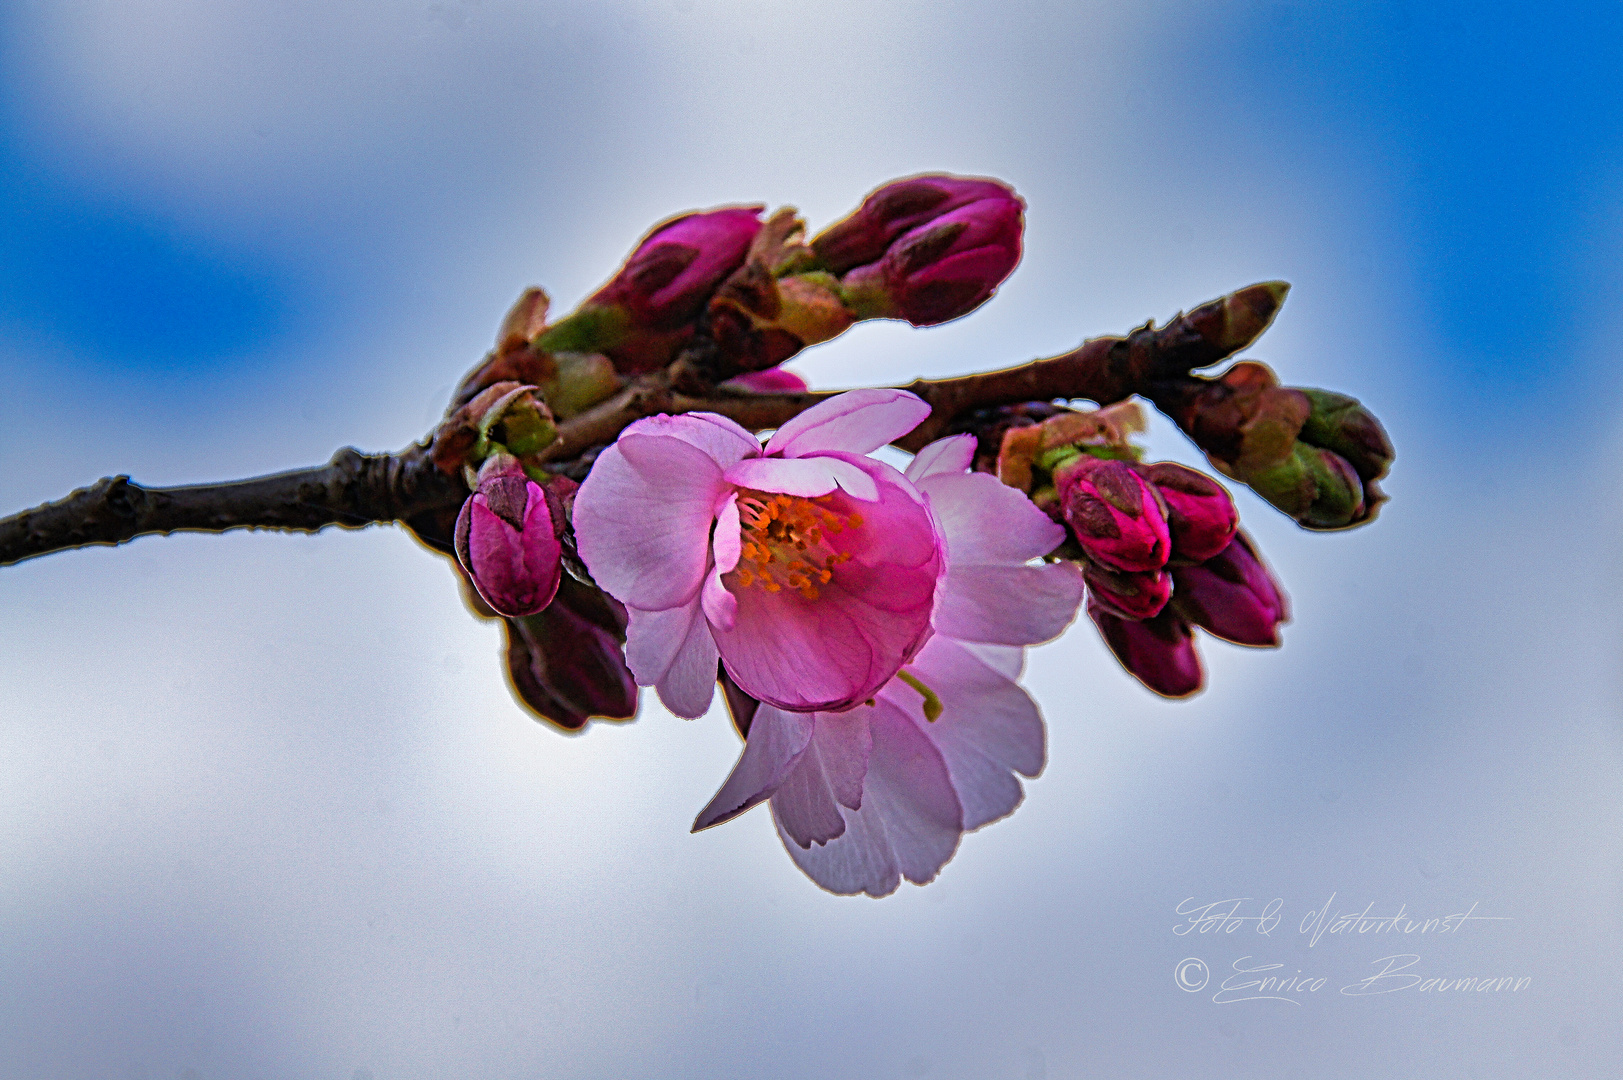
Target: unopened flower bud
<point x="1139" y="595"/>
<point x="1200" y="515"/>
<point x="1233" y="596"/>
<point x="518" y="421"/>
<point x="673" y="272"/>
<point x="942" y="269"/>
<point x="507" y="538"/>
<point x="1159" y="652"/>
<point x="1316" y="487"/>
<point x="504" y="417"/>
<point x="896" y="208"/>
<point x="1219" y="328"/>
<point x="1340" y="424"/>
<point x="567" y="663"/>
<point x="1114" y="514"/>
<point x="641" y="316"/>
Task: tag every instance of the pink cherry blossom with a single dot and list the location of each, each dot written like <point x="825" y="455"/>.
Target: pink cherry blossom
<point x="868" y="796"/>
<point x="807" y="568"/>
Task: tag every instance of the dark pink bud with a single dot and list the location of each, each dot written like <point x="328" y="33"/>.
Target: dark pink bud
<point x="898" y="207"/>
<point x="1114" y="514"/>
<point x="507" y="539"/>
<point x="567" y="664"/>
<point x="1132" y="596"/>
<point x="1232" y="596"/>
<point x="1159" y="652"/>
<point x="943" y="269"/>
<point x="672" y="273"/>
<point x="1200" y="514"/>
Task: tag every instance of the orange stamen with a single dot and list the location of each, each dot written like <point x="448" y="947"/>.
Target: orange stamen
<point x="785" y="539"/>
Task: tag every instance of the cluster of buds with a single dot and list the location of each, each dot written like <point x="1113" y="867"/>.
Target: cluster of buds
<point x="516" y="551"/>
<point x="1315" y="455"/>
<point x="565" y="638"/>
<point x="927" y="249"/>
<point x="1159" y="543"/>
<point x="744" y="295"/>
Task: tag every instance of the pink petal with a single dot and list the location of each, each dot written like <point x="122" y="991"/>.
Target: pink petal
<point x="653" y="638"/>
<point x="827" y="777"/>
<point x="722" y="440"/>
<point x="806" y="477"/>
<point x="1007" y="660"/>
<point x="909" y="822"/>
<point x="777" y="740"/>
<point x="951" y="455"/>
<point x="719" y="605"/>
<point x="828" y="653"/>
<point x="674" y="651"/>
<point x="857" y="421"/>
<point x="986" y="521"/>
<point x="1009" y="605"/>
<point x="775" y="380"/>
<point x="690" y="683"/>
<point x="988" y="730"/>
<point x="642" y="519"/>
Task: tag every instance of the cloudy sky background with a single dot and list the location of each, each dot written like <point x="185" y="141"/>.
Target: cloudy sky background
<point x="266" y="809"/>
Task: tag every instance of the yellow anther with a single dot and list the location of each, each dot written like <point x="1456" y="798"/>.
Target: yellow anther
<point x="791" y="532"/>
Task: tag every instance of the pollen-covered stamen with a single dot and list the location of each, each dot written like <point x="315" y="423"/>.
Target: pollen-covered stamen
<point x="784" y="541"/>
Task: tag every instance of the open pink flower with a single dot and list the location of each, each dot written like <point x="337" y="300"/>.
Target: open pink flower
<point x="883" y="791"/>
<point x="809" y="569"/>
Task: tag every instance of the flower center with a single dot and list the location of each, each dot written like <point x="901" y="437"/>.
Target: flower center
<point x="784" y="541"/>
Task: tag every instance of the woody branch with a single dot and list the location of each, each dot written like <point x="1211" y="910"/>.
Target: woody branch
<point x="354" y="490"/>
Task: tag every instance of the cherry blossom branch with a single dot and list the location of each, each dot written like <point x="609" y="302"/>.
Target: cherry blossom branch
<point x="354" y="490"/>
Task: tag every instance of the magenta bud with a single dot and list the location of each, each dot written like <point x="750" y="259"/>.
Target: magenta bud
<point x="898" y="207"/>
<point x="1200" y="514"/>
<point x="506" y="538"/>
<point x="1232" y="596"/>
<point x="1114" y="514"/>
<point x="1158" y="652"/>
<point x="943" y="269"/>
<point x="672" y="273"/>
<point x="1139" y="595"/>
